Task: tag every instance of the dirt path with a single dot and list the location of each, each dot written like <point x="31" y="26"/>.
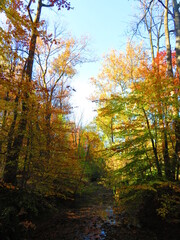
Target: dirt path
<point x="93" y="216"/>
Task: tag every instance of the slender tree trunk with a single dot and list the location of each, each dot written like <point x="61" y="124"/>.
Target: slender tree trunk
<point x="170" y="74"/>
<point x="167" y="38"/>
<point x="149" y="27"/>
<point x="159" y="33"/>
<point x="177" y="147"/>
<point x="112" y="132"/>
<point x="150" y="34"/>
<point x="177" y="121"/>
<point x="48" y="130"/>
<point x="166" y="157"/>
<point x="150" y="164"/>
<point x="153" y="145"/>
<point x="177" y="172"/>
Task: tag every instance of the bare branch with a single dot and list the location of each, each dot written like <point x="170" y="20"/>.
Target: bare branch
<point x="172" y="14"/>
<point x="47" y="5"/>
<point x="29" y="12"/>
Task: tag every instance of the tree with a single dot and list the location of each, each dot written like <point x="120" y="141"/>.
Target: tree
<point x="152" y="18"/>
<point x="15" y="144"/>
<point x="142" y="104"/>
<point x="171" y="13"/>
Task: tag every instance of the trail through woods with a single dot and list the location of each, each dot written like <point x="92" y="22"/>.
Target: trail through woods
<point x="93" y="216"/>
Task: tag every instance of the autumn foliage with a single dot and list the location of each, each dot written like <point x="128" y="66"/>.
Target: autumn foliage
<point x="137" y="113"/>
<point x="37" y="67"/>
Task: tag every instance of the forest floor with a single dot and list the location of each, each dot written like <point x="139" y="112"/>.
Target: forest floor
<point x="94" y="215"/>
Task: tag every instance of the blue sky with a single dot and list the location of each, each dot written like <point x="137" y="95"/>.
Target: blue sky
<point x="106" y="23"/>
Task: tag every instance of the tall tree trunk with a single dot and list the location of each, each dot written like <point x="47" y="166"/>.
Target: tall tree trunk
<point x="170" y="74"/>
<point x="177" y="30"/>
<point x="177" y="122"/>
<point x="13" y="152"/>
<point x="167" y="38"/>
<point x="150" y="34"/>
<point x="6" y="98"/>
<point x="11" y="165"/>
<point x="159" y="33"/>
<point x="177" y="147"/>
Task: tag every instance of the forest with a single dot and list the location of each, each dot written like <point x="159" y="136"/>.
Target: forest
<point x="117" y="177"/>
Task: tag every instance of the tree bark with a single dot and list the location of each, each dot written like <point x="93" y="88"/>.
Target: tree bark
<point x="13" y="152"/>
<point x="167" y="38"/>
<point x="177" y="30"/>
<point x="177" y="121"/>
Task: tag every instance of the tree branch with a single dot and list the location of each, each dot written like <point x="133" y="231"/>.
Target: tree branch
<point x="46" y="5"/>
<point x="172" y="14"/>
<point x="28" y="8"/>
